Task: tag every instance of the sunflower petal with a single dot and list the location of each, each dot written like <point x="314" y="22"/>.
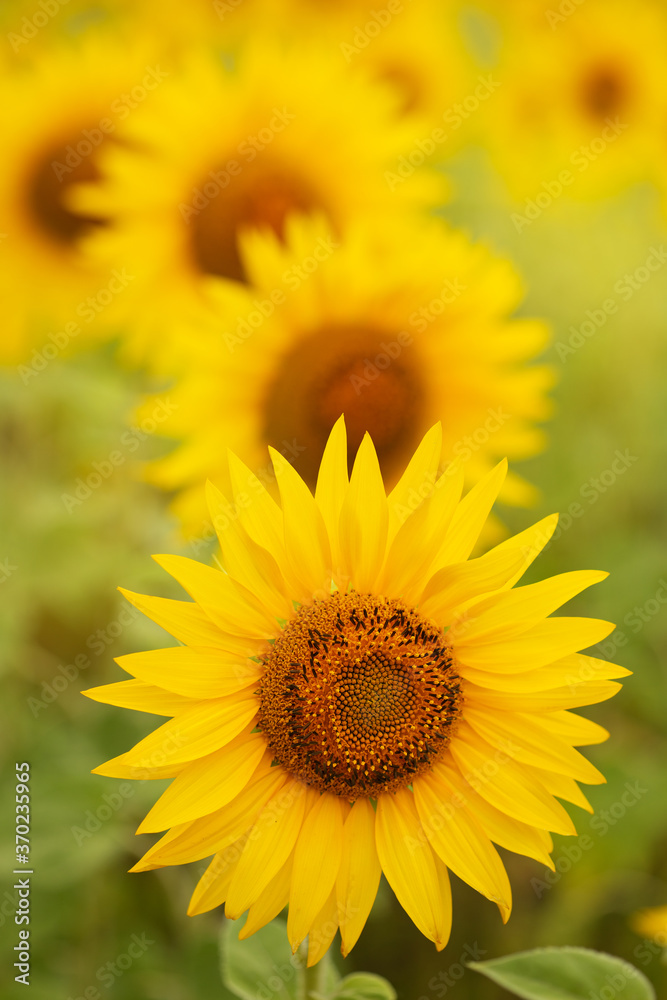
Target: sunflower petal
<point x="363" y="520"/>
<point x="316" y="861"/>
<point x="194" y="673"/>
<point x="141" y="697"/>
<point x="270" y="843"/>
<point x="459" y="841"/>
<point x="543" y="643"/>
<point x="359" y="873"/>
<point x="418" y="479"/>
<point x="270" y="902"/>
<point x="470" y="517"/>
<point x="409" y="866"/>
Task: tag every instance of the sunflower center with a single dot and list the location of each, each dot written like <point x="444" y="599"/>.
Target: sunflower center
<point x="365" y="375"/>
<point x="604" y="92"/>
<point x="359" y="695"/>
<point x="256" y="197"/>
<point x="57" y="170"/>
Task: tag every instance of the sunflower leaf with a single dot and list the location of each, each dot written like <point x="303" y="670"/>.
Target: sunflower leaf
<point x="261" y="966"/>
<point x="363" y="986"/>
<point x="566" y="974"/>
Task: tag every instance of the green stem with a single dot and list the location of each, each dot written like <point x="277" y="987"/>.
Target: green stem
<point x="310" y="980"/>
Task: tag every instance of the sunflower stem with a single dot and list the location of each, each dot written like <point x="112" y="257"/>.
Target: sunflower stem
<point x="310" y="980"/>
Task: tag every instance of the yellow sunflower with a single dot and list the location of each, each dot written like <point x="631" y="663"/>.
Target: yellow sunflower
<point x="354" y="695"/>
<point x="286" y="129"/>
<point x="583" y="96"/>
<point x="56" y="117"/>
<point x="396" y="326"/>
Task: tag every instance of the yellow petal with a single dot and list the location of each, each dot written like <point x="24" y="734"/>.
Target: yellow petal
<point x="258" y="512"/>
<point x="269" y="845"/>
<point x="207" y="784"/>
<point x="408" y="863"/>
<point x="213" y="886"/>
<point x="507" y="785"/>
<point x="470" y="517"/>
<point x="185" y="621"/>
<point x="140" y="696"/>
<point x="459" y="841"/>
<point x="570" y="670"/>
<point x="575" y="729"/>
<point x="332" y="487"/>
<point x="359" y="873"/>
<point x="202" y="837"/>
<point x="195" y="673"/>
<point x="233" y="608"/>
<point x="512" y="613"/>
<point x="316" y="861"/>
<point x="246" y="562"/>
<point x="323" y="930"/>
<point x="504" y="830"/>
<point x="198" y="731"/>
<point x="454" y="585"/>
<point x="417" y="482"/>
<point x="414" y="549"/>
<point x="270" y="902"/>
<point x="529" y="542"/>
<point x="528" y="739"/>
<point x="543" y="643"/>
<point x="585" y="693"/>
<point x="306" y="537"/>
<point x="363" y="520"/>
<point x="563" y="788"/>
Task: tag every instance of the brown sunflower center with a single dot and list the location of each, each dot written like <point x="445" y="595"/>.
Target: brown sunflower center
<point x="255" y="195"/>
<point x="368" y="376"/>
<point x="360" y="694"/>
<point x="604" y="92"/>
<point x="60" y="167"/>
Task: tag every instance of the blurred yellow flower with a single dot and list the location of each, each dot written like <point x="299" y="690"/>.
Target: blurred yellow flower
<point x="395" y="326"/>
<point x="221" y="150"/>
<point x="56" y="117"/>
<point x="584" y="97"/>
<point x="355" y="695"/>
<point x="652" y="924"/>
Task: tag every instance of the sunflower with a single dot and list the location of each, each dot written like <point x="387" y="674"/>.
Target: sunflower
<point x="397" y="326"/>
<point x="582" y="95"/>
<point x="56" y="117"/>
<point x="354" y="695"/>
<point x="286" y="129"/>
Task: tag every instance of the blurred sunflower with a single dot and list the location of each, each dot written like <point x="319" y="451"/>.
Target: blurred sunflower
<point x="396" y="327"/>
<point x="652" y="924"/>
<point x="586" y="96"/>
<point x="355" y="695"/>
<point x="221" y="150"/>
<point x="56" y="117"/>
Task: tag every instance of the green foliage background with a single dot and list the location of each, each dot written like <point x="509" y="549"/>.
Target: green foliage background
<point x="61" y="593"/>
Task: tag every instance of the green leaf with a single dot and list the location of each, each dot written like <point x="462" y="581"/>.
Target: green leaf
<point x="363" y="986"/>
<point x="566" y="974"/>
<point x="261" y="967"/>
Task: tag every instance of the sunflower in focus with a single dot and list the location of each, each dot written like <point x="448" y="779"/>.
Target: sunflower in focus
<point x="586" y="96"/>
<point x="56" y="117"/>
<point x="355" y="695"/>
<point x="397" y="326"/>
<point x="222" y="149"/>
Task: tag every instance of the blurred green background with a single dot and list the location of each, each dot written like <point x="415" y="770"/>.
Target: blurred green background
<point x="62" y="622"/>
